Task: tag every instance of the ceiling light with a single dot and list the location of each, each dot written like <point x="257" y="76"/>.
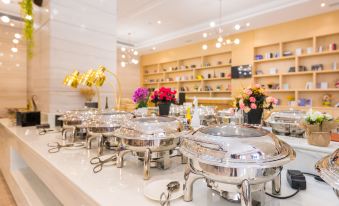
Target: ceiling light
<point x="28" y="17"/>
<point x="123" y="56"/>
<point x="237" y="41"/>
<point x="228" y="41"/>
<point x="135" y="52"/>
<point x="15" y="41"/>
<point x="6" y="1"/>
<point x="212" y="24"/>
<point x="237" y="27"/>
<point x="248" y="24"/>
<point x="159" y="22"/>
<point x="5" y="19"/>
<point x="154" y="48"/>
<point x="14" y="49"/>
<point x="204" y="47"/>
<point x="17" y="65"/>
<point x="220" y="39"/>
<point x="18" y="36"/>
<point x="123" y="64"/>
<point x="218" y="45"/>
<point x="12" y="24"/>
<point x="323" y="4"/>
<point x="135" y="61"/>
<point x="123" y="49"/>
<point x="204" y="35"/>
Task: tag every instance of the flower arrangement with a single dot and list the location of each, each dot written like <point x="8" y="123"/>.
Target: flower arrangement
<point x="317" y="117"/>
<point x="254" y="98"/>
<point x="163" y="95"/>
<point x="141" y="96"/>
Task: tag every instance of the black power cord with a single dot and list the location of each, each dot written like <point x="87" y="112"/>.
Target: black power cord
<point x="283" y="197"/>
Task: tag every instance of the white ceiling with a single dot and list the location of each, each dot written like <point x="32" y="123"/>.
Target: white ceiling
<point x="184" y="21"/>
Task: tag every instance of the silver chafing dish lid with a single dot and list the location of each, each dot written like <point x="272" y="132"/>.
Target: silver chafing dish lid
<point x="328" y="169"/>
<point x="150" y="128"/>
<point x="234" y="145"/>
<point x="77" y="115"/>
<point x="107" y="119"/>
<point x="288" y="116"/>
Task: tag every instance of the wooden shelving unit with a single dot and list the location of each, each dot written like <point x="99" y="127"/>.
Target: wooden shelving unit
<point x="293" y="84"/>
<point x="184" y="75"/>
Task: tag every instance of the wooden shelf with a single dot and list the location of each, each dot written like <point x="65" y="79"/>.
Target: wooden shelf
<point x="153" y="74"/>
<point x="179" y="70"/>
<point x="204" y="92"/>
<point x="319" y="54"/>
<point x="265" y="75"/>
<point x="279" y="90"/>
<point x="150" y="83"/>
<point x="296" y="73"/>
<point x="215" y="66"/>
<point x="192" y="80"/>
<point x="217" y="79"/>
<point x="305" y="107"/>
<point x="319" y="90"/>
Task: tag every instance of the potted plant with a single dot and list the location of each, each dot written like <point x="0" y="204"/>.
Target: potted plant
<point x="253" y="101"/>
<point x="163" y="98"/>
<point x="318" y="128"/>
<point x="140" y="97"/>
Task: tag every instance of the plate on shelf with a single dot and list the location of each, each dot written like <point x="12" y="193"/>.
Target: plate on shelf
<point x="154" y="189"/>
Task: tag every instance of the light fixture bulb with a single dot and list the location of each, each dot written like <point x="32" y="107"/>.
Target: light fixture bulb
<point x="248" y="24"/>
<point x="237" y="41"/>
<point x="14" y="49"/>
<point x="159" y="22"/>
<point x="28" y="17"/>
<point x="220" y="39"/>
<point x="12" y="24"/>
<point x="135" y="61"/>
<point x="212" y="24"/>
<point x="18" y="36"/>
<point x="17" y="65"/>
<point x="15" y="41"/>
<point x="228" y="41"/>
<point x="123" y="64"/>
<point x="123" y="56"/>
<point x="154" y="48"/>
<point x="237" y="27"/>
<point x="135" y="52"/>
<point x="204" y="47"/>
<point x="323" y="4"/>
<point x="204" y="35"/>
<point x="1" y="54"/>
<point x="6" y="1"/>
<point x="218" y="45"/>
<point x="5" y="19"/>
<point x="123" y="49"/>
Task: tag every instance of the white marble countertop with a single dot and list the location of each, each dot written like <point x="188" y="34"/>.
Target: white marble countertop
<point x="124" y="186"/>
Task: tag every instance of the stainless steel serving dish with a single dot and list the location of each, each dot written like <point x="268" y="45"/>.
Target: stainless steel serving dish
<point x="72" y="123"/>
<point x="235" y="160"/>
<point x="101" y="125"/>
<point x="151" y="139"/>
<point x="328" y="170"/>
<point x="287" y="123"/>
<point x="229" y="116"/>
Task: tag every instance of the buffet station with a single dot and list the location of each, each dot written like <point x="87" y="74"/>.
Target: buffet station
<point x="172" y="154"/>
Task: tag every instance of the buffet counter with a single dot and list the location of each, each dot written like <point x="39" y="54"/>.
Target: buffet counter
<point x="37" y="177"/>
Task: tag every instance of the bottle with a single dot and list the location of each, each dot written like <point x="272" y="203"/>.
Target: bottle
<point x="188" y="115"/>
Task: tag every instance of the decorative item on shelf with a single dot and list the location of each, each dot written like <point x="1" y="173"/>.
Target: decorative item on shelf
<point x="332" y="47"/>
<point x="276" y="55"/>
<point x="207" y="64"/>
<point x="170" y="69"/>
<point x="146" y="72"/>
<point x="253" y="101"/>
<point x="242" y="71"/>
<point x="88" y="93"/>
<point x="191" y="77"/>
<point x="322" y="85"/>
<point x="285" y="86"/>
<point x="334" y="65"/>
<point x="309" y="85"/>
<point x="320" y="49"/>
<point x="287" y="53"/>
<point x="218" y="88"/>
<point x="259" y="72"/>
<point x="182" y="67"/>
<point x="140" y="97"/>
<point x="222" y="74"/>
<point x="229" y="76"/>
<point x="318" y="128"/>
<point x="273" y="86"/>
<point x="291" y="69"/>
<point x="298" y="51"/>
<point x="309" y="50"/>
<point x="230" y="61"/>
<point x="302" y="68"/>
<point x="259" y="57"/>
<point x="317" y="67"/>
<point x="337" y="84"/>
<point x="303" y="102"/>
<point x="209" y="76"/>
<point x="200" y="77"/>
<point x="219" y="62"/>
<point x="193" y="66"/>
<point x="268" y="55"/>
<point x="163" y="98"/>
<point x="177" y="79"/>
<point x="273" y="70"/>
<point x="327" y="100"/>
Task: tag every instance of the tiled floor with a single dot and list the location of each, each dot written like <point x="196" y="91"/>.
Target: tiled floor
<point x="6" y="198"/>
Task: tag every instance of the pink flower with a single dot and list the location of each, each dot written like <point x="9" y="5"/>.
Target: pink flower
<point x="248" y="91"/>
<point x="242" y="106"/>
<point x="275" y="101"/>
<point x="269" y="99"/>
<point x="257" y="85"/>
<point x="252" y="99"/>
<point x="253" y="106"/>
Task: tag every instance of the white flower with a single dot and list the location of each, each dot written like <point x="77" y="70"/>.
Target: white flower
<point x="328" y="116"/>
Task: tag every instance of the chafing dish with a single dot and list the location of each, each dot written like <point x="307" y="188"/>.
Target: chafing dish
<point x="328" y="170"/>
<point x="207" y="115"/>
<point x="100" y="126"/>
<point x="287" y="123"/>
<point x="151" y="139"/>
<point x="235" y="160"/>
<point x="72" y="123"/>
<point x="229" y="116"/>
